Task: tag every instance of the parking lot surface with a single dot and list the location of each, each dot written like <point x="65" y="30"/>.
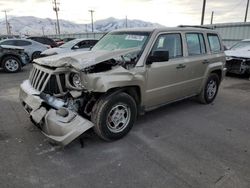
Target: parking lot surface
<point x="184" y="144"/>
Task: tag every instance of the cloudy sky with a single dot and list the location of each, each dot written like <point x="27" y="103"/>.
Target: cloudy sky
<point x="165" y="12"/>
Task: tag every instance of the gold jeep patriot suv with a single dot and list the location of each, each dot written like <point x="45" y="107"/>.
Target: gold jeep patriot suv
<point x="128" y="72"/>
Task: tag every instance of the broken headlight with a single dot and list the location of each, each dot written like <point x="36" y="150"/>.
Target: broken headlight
<point x="75" y="80"/>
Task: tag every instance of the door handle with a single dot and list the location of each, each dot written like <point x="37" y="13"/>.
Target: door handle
<point x="205" y="61"/>
<point x="181" y="66"/>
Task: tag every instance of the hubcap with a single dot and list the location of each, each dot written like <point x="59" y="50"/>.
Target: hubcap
<point x="118" y="118"/>
<point x="211" y="89"/>
<point x="11" y="65"/>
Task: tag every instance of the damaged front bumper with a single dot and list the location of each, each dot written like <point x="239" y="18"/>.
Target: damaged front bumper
<point x="59" y="124"/>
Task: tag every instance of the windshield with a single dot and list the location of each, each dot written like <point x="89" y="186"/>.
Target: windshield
<point x="241" y="44"/>
<point x="122" y="40"/>
<point x="70" y="44"/>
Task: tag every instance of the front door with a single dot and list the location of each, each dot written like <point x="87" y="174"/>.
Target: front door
<point x="164" y="78"/>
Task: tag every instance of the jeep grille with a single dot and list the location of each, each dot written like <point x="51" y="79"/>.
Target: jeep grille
<point x="48" y="81"/>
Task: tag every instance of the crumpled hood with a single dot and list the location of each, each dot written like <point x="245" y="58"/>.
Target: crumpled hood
<point x="241" y="52"/>
<point x="83" y="59"/>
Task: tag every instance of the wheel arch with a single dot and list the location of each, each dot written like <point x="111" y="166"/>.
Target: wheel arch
<point x="6" y="55"/>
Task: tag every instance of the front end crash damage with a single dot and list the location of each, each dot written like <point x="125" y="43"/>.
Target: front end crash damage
<point x="60" y="124"/>
<point x="238" y="65"/>
<point x="64" y="116"/>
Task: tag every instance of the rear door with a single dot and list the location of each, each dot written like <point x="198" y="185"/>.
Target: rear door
<point x="196" y="61"/>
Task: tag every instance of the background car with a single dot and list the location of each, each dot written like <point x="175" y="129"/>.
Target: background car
<point x="77" y="44"/>
<point x="59" y="41"/>
<point x="32" y="48"/>
<point x="12" y="58"/>
<point x="68" y="39"/>
<point x="238" y="58"/>
<point x="44" y="40"/>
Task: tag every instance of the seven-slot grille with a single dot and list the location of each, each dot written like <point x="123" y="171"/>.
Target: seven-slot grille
<point x="47" y="81"/>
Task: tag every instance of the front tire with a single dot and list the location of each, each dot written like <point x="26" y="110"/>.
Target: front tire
<point x="114" y="116"/>
<point x="11" y="64"/>
<point x="210" y="90"/>
<point x="35" y="55"/>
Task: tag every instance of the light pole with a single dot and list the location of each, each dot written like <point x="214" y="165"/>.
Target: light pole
<point x="56" y="9"/>
<point x="203" y="12"/>
<point x="245" y="20"/>
<point x="92" y="23"/>
<point x="212" y="18"/>
<point x="6" y="22"/>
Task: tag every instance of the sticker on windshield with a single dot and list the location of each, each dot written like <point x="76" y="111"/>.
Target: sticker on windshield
<point x="134" y="37"/>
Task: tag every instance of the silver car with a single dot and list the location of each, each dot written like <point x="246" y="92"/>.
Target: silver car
<point x="31" y="48"/>
<point x="73" y="45"/>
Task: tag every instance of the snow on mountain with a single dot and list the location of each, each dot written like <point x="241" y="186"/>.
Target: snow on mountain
<point x="28" y="25"/>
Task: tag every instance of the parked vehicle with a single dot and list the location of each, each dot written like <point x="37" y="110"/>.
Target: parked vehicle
<point x="31" y="48"/>
<point x="12" y="58"/>
<point x="2" y="37"/>
<point x="68" y="39"/>
<point x="58" y="41"/>
<point x="238" y="58"/>
<point x="73" y="45"/>
<point x="44" y="40"/>
<point x="128" y="72"/>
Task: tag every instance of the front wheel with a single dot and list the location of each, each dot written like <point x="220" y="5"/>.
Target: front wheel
<point x="11" y="64"/>
<point x="114" y="116"/>
<point x="210" y="89"/>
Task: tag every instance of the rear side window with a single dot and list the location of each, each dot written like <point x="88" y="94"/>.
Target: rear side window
<point x="195" y="44"/>
<point x="170" y="42"/>
<point x="22" y="43"/>
<point x="214" y="43"/>
<point x="8" y="42"/>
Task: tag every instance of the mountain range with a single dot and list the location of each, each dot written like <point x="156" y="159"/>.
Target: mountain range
<point x="29" y="25"/>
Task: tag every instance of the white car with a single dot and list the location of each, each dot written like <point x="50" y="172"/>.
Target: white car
<point x="238" y="58"/>
<point x="31" y="48"/>
<point x="73" y="45"/>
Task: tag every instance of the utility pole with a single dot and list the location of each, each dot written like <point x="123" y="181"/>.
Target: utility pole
<point x="212" y="18"/>
<point x="126" y="23"/>
<point x="245" y="20"/>
<point x="56" y="9"/>
<point x="6" y="22"/>
<point x="203" y="12"/>
<point x="43" y="30"/>
<point x="92" y="23"/>
<point x="56" y="28"/>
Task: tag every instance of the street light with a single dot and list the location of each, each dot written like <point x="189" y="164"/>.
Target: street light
<point x="92" y="23"/>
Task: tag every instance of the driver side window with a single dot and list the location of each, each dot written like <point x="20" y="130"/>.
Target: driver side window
<point x="171" y="43"/>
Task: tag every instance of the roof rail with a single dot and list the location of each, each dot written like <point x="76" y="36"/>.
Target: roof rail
<point x="196" y="26"/>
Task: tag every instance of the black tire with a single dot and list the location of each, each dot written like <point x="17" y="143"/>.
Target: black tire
<point x="35" y="55"/>
<point x="208" y="95"/>
<point x="107" y="107"/>
<point x="16" y="64"/>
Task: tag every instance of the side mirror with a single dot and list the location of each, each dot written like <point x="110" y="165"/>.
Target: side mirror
<point x="75" y="47"/>
<point x="158" y="56"/>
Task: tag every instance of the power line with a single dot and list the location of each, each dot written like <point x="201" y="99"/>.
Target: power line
<point x="56" y="9"/>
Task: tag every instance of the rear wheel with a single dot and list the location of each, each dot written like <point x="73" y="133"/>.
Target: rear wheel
<point x="11" y="64"/>
<point x="114" y="116"/>
<point x="36" y="55"/>
<point x="210" y="89"/>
